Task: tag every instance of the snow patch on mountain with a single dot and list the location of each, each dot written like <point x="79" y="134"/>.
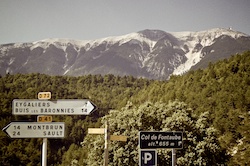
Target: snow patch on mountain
<point x="201" y="39"/>
<point x="11" y="61"/>
<point x="58" y="43"/>
<point x="121" y="40"/>
<point x="211" y="33"/>
<point x="88" y="44"/>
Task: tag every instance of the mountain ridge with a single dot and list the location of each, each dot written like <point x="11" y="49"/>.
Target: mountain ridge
<point x="153" y="54"/>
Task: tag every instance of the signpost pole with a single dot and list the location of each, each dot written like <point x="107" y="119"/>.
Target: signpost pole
<point x="107" y="138"/>
<point x="173" y="157"/>
<point x="44" y="96"/>
<point x="106" y="151"/>
<point x="44" y="152"/>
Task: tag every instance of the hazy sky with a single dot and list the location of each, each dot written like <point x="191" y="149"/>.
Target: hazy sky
<point x="32" y="20"/>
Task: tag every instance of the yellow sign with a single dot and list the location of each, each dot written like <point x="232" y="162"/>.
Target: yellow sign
<point x="44" y="118"/>
<point x="44" y="95"/>
<point x="118" y="138"/>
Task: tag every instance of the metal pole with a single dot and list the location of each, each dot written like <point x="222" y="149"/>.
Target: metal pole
<point x="173" y="157"/>
<point x="106" y="150"/>
<point x="44" y="152"/>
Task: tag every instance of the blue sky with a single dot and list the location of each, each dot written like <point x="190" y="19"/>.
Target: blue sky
<point x="33" y="20"/>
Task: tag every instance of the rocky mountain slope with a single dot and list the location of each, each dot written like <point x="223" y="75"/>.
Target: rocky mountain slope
<point x="153" y="54"/>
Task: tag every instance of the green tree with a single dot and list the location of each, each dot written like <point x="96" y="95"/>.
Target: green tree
<point x="200" y="144"/>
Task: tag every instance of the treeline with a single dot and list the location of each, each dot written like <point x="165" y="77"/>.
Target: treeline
<point x="220" y="91"/>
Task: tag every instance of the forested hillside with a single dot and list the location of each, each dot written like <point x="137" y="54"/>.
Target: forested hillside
<point x="211" y="107"/>
<point x="222" y="90"/>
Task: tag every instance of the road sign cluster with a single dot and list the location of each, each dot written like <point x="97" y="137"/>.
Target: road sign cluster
<point x="149" y="141"/>
<point x="46" y="129"/>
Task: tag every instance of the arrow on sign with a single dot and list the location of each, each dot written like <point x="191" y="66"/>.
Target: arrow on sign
<point x="35" y="130"/>
<point x="57" y="107"/>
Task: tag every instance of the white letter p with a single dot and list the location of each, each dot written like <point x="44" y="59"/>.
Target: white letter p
<point x="147" y="157"/>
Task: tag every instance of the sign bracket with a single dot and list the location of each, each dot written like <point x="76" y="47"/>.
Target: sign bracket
<point x="107" y="138"/>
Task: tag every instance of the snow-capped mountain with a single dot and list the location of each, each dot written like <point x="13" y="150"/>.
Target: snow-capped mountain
<point x="153" y="54"/>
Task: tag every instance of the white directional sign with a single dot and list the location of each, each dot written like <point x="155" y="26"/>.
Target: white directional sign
<point x="35" y="130"/>
<point x="56" y="107"/>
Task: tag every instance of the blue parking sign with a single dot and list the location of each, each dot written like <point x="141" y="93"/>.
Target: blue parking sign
<point x="148" y="157"/>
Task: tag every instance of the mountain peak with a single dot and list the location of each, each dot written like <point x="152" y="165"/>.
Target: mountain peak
<point x="154" y="35"/>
